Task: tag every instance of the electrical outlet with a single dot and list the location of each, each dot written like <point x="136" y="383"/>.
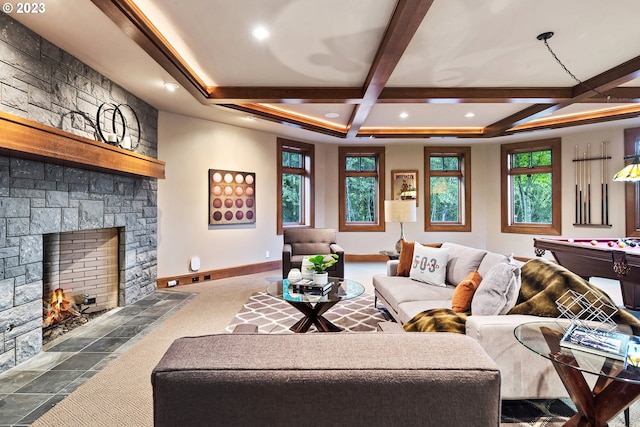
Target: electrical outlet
<point x="195" y="279"/>
<point x="207" y="277"/>
<point x="266" y="254"/>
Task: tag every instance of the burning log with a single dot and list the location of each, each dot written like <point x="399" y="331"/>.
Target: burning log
<point x="58" y="309"/>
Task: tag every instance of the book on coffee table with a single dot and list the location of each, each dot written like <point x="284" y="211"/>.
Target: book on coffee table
<point x="597" y="341"/>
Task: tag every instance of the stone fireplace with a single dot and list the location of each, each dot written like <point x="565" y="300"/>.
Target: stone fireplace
<point x="55" y="178"/>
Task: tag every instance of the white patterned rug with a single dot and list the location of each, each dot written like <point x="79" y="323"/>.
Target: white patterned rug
<point x="274" y="316"/>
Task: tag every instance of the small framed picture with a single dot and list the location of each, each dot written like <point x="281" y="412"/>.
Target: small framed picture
<point x="404" y="185"/>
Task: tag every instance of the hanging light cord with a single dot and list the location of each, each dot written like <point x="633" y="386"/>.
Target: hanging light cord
<point x="545" y="37"/>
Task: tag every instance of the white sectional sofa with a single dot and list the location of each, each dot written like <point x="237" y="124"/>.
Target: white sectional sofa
<point x="524" y="374"/>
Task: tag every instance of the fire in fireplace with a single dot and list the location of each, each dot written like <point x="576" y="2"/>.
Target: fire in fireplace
<point x="58" y="309"/>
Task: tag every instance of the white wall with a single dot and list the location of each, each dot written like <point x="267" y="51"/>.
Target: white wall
<point x="191" y="147"/>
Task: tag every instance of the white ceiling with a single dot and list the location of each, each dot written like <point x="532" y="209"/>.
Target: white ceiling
<point x="460" y="44"/>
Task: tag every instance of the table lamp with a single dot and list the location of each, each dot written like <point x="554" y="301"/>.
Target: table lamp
<point x="400" y="211"/>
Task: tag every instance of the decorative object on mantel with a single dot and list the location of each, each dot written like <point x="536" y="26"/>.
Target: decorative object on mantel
<point x="85" y="116"/>
<point x="583" y="193"/>
<point x="118" y="133"/>
<point x="232" y="198"/>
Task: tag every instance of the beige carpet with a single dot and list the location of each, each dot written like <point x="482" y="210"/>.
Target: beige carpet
<point x="121" y="395"/>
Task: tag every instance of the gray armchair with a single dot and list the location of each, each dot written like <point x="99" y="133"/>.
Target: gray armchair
<point x="301" y="242"/>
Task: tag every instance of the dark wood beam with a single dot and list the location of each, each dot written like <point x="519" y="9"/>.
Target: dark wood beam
<point x="285" y="119"/>
<point x="126" y="15"/>
<point x="607" y="80"/>
<point x="405" y="21"/>
<point x="474" y="94"/>
<point x="276" y="95"/>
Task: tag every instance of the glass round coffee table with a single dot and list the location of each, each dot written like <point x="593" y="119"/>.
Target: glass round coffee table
<point x="314" y="306"/>
<point x="617" y="386"/>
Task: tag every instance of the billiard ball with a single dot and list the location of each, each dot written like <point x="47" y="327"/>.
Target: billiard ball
<point x="594" y="242"/>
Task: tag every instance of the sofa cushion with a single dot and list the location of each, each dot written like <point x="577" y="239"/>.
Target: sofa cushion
<point x="396" y="290"/>
<point x="498" y="291"/>
<point x="462" y="261"/>
<point x="430" y="264"/>
<point x="463" y="295"/>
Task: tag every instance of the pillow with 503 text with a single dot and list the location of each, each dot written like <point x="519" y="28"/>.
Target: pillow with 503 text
<point x="429" y="265"/>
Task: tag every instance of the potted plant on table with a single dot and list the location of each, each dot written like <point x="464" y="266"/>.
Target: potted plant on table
<point x="319" y="267"/>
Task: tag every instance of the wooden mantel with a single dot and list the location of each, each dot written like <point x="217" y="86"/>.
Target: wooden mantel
<point x="31" y="140"/>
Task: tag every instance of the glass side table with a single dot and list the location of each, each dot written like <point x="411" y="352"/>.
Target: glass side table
<point x="617" y="386"/>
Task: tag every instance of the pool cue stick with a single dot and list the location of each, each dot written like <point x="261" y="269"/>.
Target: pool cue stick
<point x="576" y="176"/>
<point x="588" y="165"/>
<point x="580" y="163"/>
<point x="606" y="186"/>
<point x="584" y="184"/>
<point x="602" y="183"/>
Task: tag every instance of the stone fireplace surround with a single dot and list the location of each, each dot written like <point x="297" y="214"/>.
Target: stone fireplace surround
<point x="43" y="83"/>
<point x="38" y="198"/>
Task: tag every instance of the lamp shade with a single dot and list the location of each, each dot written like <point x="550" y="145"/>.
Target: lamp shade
<point x="400" y="211"/>
<point x="631" y="172"/>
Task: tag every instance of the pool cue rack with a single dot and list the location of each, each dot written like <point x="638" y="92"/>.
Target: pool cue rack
<point x="584" y="190"/>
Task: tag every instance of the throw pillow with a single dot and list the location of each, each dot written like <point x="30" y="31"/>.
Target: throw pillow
<point x="405" y="259"/>
<point x="498" y="291"/>
<point x="429" y="264"/>
<point x="463" y="294"/>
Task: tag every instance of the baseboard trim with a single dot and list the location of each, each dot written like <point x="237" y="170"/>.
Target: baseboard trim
<point x="223" y="273"/>
<point x="365" y="258"/>
<point x="242" y="270"/>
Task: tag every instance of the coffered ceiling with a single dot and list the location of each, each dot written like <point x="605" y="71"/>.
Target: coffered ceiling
<point x="384" y="70"/>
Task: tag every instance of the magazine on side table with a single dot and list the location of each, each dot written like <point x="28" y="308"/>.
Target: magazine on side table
<point x="597" y="341"/>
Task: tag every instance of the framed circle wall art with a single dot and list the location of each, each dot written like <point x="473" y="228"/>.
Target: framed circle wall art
<point x="232" y="197"/>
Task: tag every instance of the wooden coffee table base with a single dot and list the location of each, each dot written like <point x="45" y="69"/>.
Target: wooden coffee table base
<point x="595" y="407"/>
<point x="313" y="316"/>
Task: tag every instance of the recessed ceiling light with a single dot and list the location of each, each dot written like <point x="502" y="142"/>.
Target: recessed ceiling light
<point x="469" y="115"/>
<point x="251" y="118"/>
<point x="404" y="115"/>
<point x="261" y="33"/>
<point x="332" y="115"/>
<point x="171" y="87"/>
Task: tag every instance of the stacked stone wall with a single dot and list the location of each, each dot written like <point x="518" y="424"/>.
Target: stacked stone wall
<point x="43" y="83"/>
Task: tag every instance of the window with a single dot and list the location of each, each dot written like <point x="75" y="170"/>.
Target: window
<point x="448" y="178"/>
<point x="531" y="199"/>
<point x="361" y="186"/>
<point x="631" y="189"/>
<point x="295" y="185"/>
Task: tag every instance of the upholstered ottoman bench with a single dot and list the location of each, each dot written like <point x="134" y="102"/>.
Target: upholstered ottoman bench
<point x="354" y="379"/>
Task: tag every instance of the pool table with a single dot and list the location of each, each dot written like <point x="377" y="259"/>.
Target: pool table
<point x="600" y="257"/>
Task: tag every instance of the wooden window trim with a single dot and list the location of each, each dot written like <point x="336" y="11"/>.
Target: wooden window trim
<point x="555" y="228"/>
<point x="307" y="150"/>
<point x="464" y="153"/>
<point x="343" y="153"/>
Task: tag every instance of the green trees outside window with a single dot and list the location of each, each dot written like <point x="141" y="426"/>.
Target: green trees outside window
<point x="295" y="190"/>
<point x="361" y="188"/>
<point x="531" y="193"/>
<point x="447" y="171"/>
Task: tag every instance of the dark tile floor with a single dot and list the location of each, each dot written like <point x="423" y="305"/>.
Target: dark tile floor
<point x="32" y="388"/>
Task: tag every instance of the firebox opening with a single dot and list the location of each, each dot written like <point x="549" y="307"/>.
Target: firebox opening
<point x="81" y="274"/>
